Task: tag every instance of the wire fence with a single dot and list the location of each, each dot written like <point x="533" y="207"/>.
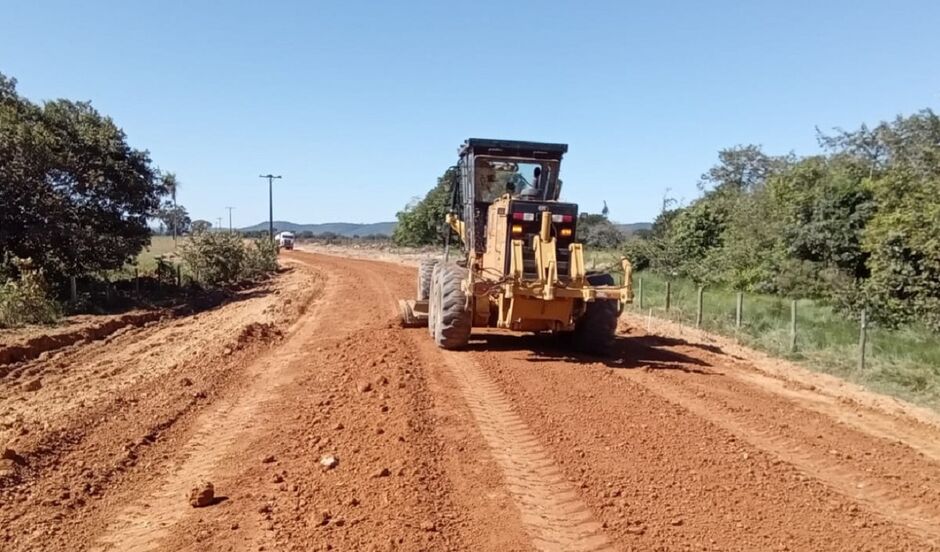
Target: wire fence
<point x="904" y="361"/>
<point x="162" y="278"/>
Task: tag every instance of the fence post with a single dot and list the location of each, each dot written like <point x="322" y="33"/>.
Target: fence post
<point x="640" y="292"/>
<point x="793" y="325"/>
<point x="698" y="312"/>
<point x="73" y="289"/>
<point x="179" y="275"/>
<point x="862" y="340"/>
<point x="738" y="309"/>
<point x="668" y="294"/>
<point x="137" y="282"/>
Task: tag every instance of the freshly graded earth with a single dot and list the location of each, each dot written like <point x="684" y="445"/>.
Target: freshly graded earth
<point x="300" y="416"/>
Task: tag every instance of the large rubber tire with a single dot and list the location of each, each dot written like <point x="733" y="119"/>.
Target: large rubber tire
<point x="452" y="316"/>
<point x="425" y="267"/>
<point x="433" y="299"/>
<point x="595" y="331"/>
<point x="599" y="279"/>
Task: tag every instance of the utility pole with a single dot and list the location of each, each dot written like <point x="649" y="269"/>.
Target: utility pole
<point x="219" y="227"/>
<point x="270" y="178"/>
<point x="230" y="219"/>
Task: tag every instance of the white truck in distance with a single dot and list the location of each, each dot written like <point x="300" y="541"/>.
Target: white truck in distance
<point x="285" y="240"/>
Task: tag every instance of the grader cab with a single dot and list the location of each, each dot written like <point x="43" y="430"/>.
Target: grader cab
<point x="521" y="267"/>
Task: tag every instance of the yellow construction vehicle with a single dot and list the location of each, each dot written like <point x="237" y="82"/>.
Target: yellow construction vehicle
<point x="521" y="267"/>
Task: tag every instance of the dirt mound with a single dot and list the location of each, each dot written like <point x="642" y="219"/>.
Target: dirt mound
<point x="55" y="339"/>
<point x="258" y="332"/>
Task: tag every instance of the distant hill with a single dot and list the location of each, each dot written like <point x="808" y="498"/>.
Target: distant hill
<point x="340" y="228"/>
<point x="631" y="228"/>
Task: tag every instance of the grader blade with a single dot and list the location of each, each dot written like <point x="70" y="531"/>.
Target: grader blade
<point x="414" y="314"/>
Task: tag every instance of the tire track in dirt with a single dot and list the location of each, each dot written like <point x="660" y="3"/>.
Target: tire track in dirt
<point x="141" y="526"/>
<point x="551" y="510"/>
<point x="898" y="504"/>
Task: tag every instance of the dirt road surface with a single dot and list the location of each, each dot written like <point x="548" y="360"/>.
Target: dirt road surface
<point x="323" y="425"/>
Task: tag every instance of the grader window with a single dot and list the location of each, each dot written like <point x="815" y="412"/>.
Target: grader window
<point x="523" y="178"/>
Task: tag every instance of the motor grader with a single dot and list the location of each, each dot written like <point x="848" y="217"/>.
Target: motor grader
<point x="521" y="267"/>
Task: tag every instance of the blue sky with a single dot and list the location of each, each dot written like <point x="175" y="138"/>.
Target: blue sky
<point x="361" y="105"/>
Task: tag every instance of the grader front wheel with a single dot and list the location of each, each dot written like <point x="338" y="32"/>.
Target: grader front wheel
<point x="450" y="317"/>
<point x="425" y="268"/>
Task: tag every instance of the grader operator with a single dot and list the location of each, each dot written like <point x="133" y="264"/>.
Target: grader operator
<point x="521" y="267"/>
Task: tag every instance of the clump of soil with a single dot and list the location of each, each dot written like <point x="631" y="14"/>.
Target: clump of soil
<point x="202" y="495"/>
<point x="259" y="332"/>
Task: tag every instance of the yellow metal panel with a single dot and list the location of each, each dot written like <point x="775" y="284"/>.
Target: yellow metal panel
<point x="576" y="268"/>
<point x="497" y="231"/>
<point x="536" y="314"/>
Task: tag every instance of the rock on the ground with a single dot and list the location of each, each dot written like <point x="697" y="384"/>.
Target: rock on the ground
<point x="364" y="387"/>
<point x="202" y="495"/>
<point x="34" y="385"/>
<point x="328" y="461"/>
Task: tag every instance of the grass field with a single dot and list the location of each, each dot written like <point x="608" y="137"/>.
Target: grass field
<point x="159" y="245"/>
<point x="903" y="362"/>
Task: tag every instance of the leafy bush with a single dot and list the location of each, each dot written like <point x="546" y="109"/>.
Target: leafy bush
<point x="221" y="259"/>
<point x="260" y="258"/>
<point x="27" y="300"/>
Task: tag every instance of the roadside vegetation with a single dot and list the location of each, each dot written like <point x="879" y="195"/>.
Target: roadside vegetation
<point x="855" y="228"/>
<point x="222" y="259"/>
<point x="76" y="207"/>
<point x="26" y="299"/>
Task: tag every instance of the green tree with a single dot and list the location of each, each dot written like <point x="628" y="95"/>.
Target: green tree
<point x="174" y="218"/>
<point x="172" y="185"/>
<point x="596" y="231"/>
<point x="199" y="226"/>
<point x="422" y="221"/>
<point x="74" y="196"/>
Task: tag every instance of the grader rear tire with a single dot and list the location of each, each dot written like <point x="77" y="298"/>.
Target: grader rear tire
<point x="425" y="268"/>
<point x="595" y="331"/>
<point x="452" y="318"/>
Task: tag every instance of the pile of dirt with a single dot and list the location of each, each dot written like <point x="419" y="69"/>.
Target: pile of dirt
<point x="259" y="332"/>
<point x="82" y="329"/>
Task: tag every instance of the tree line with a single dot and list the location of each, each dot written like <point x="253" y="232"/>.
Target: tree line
<point x="857" y="226"/>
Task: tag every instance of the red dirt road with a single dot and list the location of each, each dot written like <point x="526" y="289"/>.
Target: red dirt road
<point x="514" y="444"/>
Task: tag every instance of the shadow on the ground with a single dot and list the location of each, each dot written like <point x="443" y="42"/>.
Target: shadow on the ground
<point x="628" y="352"/>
